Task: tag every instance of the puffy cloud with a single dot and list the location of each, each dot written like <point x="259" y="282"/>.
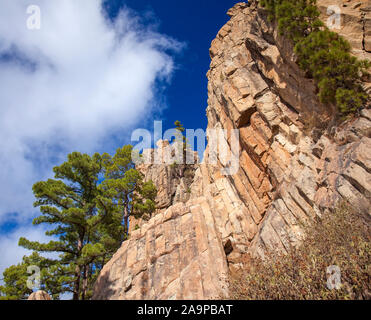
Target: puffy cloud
<point x="71" y="85"/>
<point x="76" y="84"/>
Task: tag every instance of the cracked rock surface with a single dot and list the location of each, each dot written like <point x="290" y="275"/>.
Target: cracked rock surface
<point x="287" y="174"/>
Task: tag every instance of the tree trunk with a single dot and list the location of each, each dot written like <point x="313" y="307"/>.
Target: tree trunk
<point x="85" y="282"/>
<point x="76" y="294"/>
<point x="126" y="219"/>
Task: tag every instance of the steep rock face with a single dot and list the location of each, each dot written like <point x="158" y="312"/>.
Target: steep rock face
<point x="286" y="175"/>
<point x="39" y="295"/>
<point x="172" y="181"/>
<point x="177" y="255"/>
<point x="290" y="171"/>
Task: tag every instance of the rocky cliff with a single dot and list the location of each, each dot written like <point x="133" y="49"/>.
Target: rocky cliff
<point x="294" y="165"/>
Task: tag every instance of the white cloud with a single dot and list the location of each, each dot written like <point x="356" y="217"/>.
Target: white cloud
<point x="69" y="86"/>
<point x="12" y="254"/>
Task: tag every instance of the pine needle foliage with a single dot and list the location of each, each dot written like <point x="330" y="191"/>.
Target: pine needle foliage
<point x="341" y="238"/>
<point x="324" y="55"/>
<point x="15" y="278"/>
<point x="88" y="203"/>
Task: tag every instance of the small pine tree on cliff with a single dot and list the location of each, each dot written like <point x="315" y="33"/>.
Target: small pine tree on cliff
<point x="324" y="55"/>
<point x="327" y="59"/>
<point x="181" y="137"/>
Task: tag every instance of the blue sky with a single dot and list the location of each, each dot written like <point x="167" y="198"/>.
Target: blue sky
<point x="195" y="23"/>
<point x="86" y="80"/>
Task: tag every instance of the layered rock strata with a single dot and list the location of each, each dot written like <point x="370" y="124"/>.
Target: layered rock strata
<point x="290" y="171"/>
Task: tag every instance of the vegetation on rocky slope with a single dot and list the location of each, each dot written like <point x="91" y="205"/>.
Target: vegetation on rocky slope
<point x="324" y="55"/>
<point x="341" y="240"/>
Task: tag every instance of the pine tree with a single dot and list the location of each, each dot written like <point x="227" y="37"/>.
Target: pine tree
<point x="323" y="54"/>
<point x="124" y="187"/>
<point x="87" y="202"/>
<point x="327" y="59"/>
<point x="296" y="19"/>
<point x="15" y="279"/>
<point x="179" y="126"/>
<point x="180" y="137"/>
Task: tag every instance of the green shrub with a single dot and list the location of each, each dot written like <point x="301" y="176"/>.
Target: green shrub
<point x="323" y="54"/>
<point x="296" y="18"/>
<point x="342" y="238"/>
<point x="326" y="57"/>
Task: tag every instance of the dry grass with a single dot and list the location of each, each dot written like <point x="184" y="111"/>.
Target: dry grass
<point x="341" y="238"/>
